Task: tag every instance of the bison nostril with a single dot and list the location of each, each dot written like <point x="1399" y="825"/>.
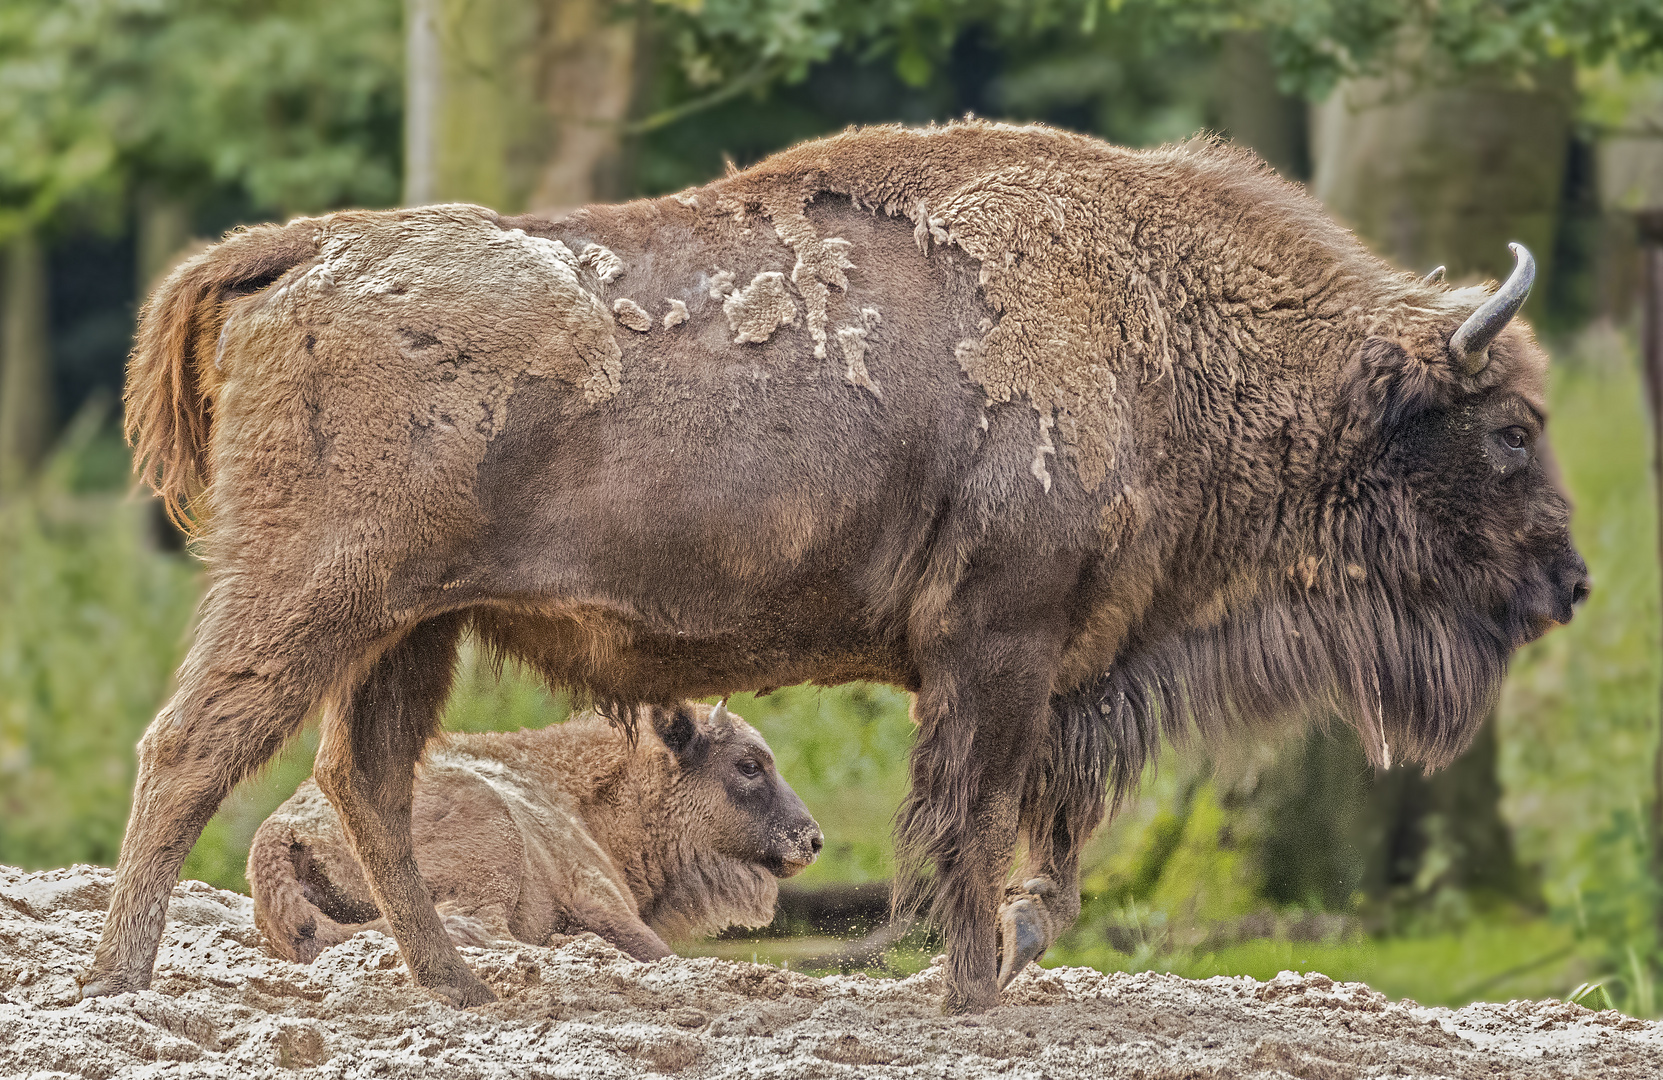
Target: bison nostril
<point x="817" y="843"/>
<point x="1579" y="592"/>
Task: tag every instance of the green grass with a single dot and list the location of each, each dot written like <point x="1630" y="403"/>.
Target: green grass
<point x="1579" y="721"/>
<point x="1495" y="960"/>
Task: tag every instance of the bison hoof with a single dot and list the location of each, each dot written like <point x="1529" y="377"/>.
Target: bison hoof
<point x="1026" y="928"/>
<point x="94" y="984"/>
<point x="465" y="994"/>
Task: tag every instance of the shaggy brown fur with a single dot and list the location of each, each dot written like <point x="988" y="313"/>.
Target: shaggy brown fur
<point x="569" y="828"/>
<point x="1085" y="446"/>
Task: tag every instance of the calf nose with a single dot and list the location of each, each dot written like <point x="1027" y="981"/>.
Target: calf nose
<point x="817" y="843"/>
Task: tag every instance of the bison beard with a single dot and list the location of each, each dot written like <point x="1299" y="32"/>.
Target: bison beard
<point x="1086" y="447"/>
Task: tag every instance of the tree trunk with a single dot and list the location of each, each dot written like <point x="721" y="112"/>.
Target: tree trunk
<point x="164" y="237"/>
<point x="1252" y="111"/>
<point x="516" y="104"/>
<point x="25" y="369"/>
<point x="1651" y="363"/>
<point x="1335" y="831"/>
<point x="1446" y="175"/>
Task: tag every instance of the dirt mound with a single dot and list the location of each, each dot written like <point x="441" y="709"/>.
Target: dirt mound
<point x="223" y="1006"/>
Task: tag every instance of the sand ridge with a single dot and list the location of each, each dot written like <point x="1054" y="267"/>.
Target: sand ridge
<point x="223" y="1006"/>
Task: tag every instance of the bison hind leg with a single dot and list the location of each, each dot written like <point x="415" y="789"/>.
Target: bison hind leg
<point x="366" y="768"/>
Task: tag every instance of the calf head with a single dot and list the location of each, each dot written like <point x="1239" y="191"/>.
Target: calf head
<point x="728" y="786"/>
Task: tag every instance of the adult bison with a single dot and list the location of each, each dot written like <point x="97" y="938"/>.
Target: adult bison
<point x="1084" y="446"/>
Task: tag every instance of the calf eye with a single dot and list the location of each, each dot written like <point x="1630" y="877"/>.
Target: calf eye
<point x="749" y="767"/>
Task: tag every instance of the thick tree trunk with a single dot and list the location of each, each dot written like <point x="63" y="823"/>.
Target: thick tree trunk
<point x="1446" y="175"/>
<point x="1250" y="109"/>
<point x="25" y="368"/>
<point x="1335" y="830"/>
<point x="516" y="104"/>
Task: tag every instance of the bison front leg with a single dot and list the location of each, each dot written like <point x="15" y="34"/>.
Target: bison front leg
<point x="366" y="767"/>
<point x="1061" y="808"/>
<point x="981" y="712"/>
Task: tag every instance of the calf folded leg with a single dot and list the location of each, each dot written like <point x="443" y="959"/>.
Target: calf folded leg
<point x="366" y="768"/>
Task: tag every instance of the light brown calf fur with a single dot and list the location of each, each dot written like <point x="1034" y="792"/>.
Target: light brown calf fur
<point x="568" y="828"/>
<point x="1086" y="447"/>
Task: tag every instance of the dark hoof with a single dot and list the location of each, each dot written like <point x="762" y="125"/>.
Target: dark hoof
<point x="1025" y="928"/>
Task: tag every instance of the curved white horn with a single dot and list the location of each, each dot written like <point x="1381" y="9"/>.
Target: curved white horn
<point x="1469" y="343"/>
<point x="1435" y="276"/>
<point x="719" y="713"/>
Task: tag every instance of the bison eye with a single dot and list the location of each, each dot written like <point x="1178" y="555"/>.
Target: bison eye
<point x="1509" y="448"/>
<point x="749" y="767"/>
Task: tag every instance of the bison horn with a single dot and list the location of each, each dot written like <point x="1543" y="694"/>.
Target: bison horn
<point x="1470" y="343"/>
<point x="719" y="714"/>
<point x="1435" y="276"/>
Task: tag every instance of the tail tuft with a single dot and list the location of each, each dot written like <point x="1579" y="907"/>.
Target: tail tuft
<point x="171" y="374"/>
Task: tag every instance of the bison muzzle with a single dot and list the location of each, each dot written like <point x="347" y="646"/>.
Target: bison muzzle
<point x="1086" y="447"/>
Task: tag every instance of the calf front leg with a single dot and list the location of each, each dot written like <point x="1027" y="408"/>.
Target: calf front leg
<point x="366" y="768"/>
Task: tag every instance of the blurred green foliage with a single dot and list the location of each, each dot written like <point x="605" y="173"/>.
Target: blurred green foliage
<point x="295" y="104"/>
<point x="94" y="620"/>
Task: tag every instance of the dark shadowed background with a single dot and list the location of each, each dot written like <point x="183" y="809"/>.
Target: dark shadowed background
<point x="132" y="131"/>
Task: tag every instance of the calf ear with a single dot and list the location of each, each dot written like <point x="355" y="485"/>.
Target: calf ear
<point x="680" y="732"/>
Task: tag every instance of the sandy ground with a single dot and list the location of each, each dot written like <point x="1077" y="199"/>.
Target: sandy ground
<point x="222" y="1006"/>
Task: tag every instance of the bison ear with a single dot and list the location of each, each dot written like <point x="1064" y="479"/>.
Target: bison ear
<point x="679" y="730"/>
<point x="1394" y="385"/>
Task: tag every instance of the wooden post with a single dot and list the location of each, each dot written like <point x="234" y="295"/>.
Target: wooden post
<point x="1651" y="366"/>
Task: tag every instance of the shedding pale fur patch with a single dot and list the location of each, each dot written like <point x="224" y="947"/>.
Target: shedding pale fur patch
<point x="632" y="315"/>
<point x="677" y="314"/>
<point x="1045" y="446"/>
<point x="820" y="265"/>
<point x="1077" y="244"/>
<point x="852" y="340"/>
<point x="721" y="284"/>
<point x="607" y="266"/>
<point x="762" y="307"/>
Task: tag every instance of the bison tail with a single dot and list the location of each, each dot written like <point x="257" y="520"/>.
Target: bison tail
<point x="294" y="927"/>
<point x="173" y="372"/>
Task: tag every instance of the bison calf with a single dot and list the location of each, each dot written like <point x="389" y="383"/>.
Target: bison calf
<point x="569" y="828"/>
